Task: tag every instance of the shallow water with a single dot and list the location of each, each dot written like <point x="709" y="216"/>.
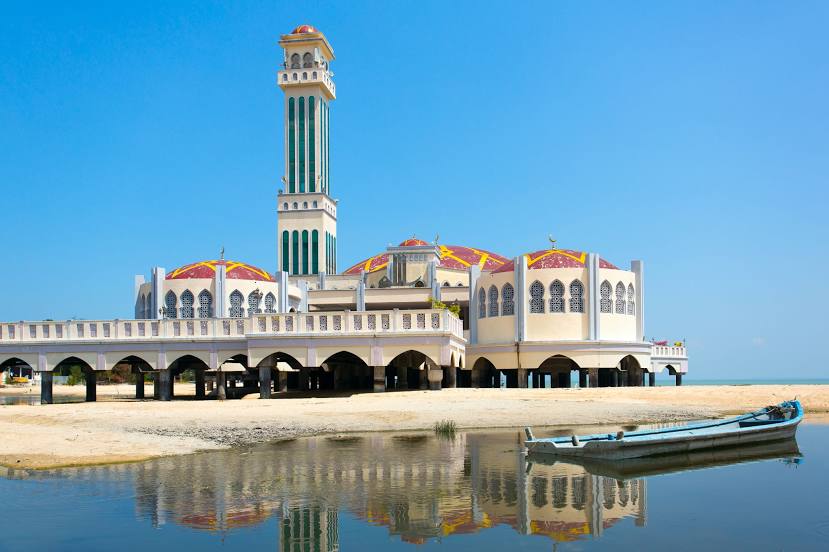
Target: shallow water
<point x="391" y="491"/>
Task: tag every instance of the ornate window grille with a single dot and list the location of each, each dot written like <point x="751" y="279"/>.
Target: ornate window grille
<point x="384" y="321"/>
<point x="289" y="324"/>
<point x="187" y="301"/>
<point x="372" y="321"/>
<point x="309" y="323"/>
<point x="307" y="60"/>
<point x="203" y="327"/>
<point x="205" y="304"/>
<point x="493" y="301"/>
<point x="620" y="298"/>
<point x="253" y="303"/>
<point x="154" y="329"/>
<point x="170" y="304"/>
<point x="576" y="296"/>
<point x="274" y="323"/>
<point x="295" y="63"/>
<point x="226" y="327"/>
<point x="106" y="330"/>
<point x="236" y="309"/>
<point x="631" y="300"/>
<point x="605" y="303"/>
<point x="79" y="327"/>
<point x="536" y="297"/>
<point x="338" y="322"/>
<point x="93" y="330"/>
<point x="323" y="323"/>
<point x="421" y="320"/>
<point x="263" y="324"/>
<point x="190" y="327"/>
<point x="358" y="322"/>
<point x="435" y="320"/>
<point x="556" y="296"/>
<point x="407" y="321"/>
<point x="176" y="328"/>
<point x="481" y="303"/>
<point x="270" y="303"/>
<point x="507" y="300"/>
<point x="142" y="331"/>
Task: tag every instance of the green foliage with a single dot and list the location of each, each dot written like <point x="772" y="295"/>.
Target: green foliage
<point x="76" y="376"/>
<point x="445" y="428"/>
<point x="454" y="308"/>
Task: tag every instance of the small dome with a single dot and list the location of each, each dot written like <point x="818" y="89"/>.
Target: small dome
<point x="412" y="241"/>
<point x="207" y="269"/>
<point x="554" y="258"/>
<point x="304" y="29"/>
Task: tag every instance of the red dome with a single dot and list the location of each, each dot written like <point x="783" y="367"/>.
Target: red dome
<point x="554" y="258"/>
<point x="207" y="269"/>
<point x="304" y="29"/>
<point x="412" y="241"/>
<point x="451" y="256"/>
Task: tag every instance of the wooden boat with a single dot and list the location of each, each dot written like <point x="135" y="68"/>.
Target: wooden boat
<point x="773" y="423"/>
<point x="785" y="450"/>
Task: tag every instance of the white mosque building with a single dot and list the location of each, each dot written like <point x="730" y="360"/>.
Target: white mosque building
<point x="539" y="319"/>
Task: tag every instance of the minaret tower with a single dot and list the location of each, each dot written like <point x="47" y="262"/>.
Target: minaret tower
<point x="307" y="239"/>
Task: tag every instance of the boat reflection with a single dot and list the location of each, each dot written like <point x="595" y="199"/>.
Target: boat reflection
<point x="418" y="486"/>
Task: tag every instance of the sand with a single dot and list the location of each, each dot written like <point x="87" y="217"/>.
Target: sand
<point x="118" y="429"/>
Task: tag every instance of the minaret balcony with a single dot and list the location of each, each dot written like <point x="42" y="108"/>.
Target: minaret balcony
<point x="289" y="78"/>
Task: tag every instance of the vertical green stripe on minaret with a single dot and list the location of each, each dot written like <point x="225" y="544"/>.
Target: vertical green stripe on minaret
<point x="302" y="145"/>
<point x="335" y="255"/>
<point x="291" y="146"/>
<point x="305" y="251"/>
<point x="315" y="252"/>
<point x="295" y="253"/>
<point x="285" y="251"/>
<point x="312" y="146"/>
<point x="327" y="150"/>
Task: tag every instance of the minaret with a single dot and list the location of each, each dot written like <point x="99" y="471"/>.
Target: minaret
<point x="307" y="238"/>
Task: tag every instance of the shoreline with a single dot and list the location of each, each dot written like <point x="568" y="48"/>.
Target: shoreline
<point x="125" y="430"/>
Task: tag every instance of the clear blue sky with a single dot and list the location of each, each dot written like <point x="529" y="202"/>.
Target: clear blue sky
<point x="691" y="135"/>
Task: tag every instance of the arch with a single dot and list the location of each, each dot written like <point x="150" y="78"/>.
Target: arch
<point x="409" y="370"/>
<point x="65" y="366"/>
<point x="205" y="304"/>
<point x="295" y="61"/>
<point x="493" y="301"/>
<point x="485" y="374"/>
<point x="170" y="305"/>
<point x="285" y="206"/>
<point x="481" y="303"/>
<point x="445" y="284"/>
<point x="345" y="370"/>
<point x="187" y="301"/>
<point x="536" y="297"/>
<point x="17" y="367"/>
<point x="236" y="308"/>
<point x="559" y="367"/>
<point x="605" y="303"/>
<point x="556" y="296"/>
<point x="576" y="296"/>
<point x="631" y="300"/>
<point x="270" y="303"/>
<point x="507" y="300"/>
<point x="620" y="298"/>
<point x="254" y="301"/>
<point x="307" y="60"/>
<point x="280" y="356"/>
<point x="671" y="370"/>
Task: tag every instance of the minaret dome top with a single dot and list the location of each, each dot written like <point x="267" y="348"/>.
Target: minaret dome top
<point x="304" y="29"/>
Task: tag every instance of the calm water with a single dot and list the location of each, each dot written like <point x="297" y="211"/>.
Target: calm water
<point x="395" y="491"/>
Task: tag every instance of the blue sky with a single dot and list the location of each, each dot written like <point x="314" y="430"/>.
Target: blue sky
<point x="691" y="135"/>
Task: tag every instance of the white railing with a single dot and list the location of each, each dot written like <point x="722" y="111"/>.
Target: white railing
<point x="306" y="324"/>
<point x="669" y="351"/>
<point x="304" y="76"/>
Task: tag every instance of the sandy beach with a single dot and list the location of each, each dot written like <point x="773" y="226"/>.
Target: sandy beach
<point x="118" y="429"/>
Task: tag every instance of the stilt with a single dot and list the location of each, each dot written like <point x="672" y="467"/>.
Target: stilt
<point x="614" y="377"/>
<point x="303" y="379"/>
<point x="423" y="376"/>
<point x="565" y="379"/>
<point x="221" y="386"/>
<point x="451" y="377"/>
<point x="156" y="386"/>
<point x="593" y="374"/>
<point x="282" y="381"/>
<point x="46" y="387"/>
<point x="678" y="379"/>
<point x="402" y="378"/>
<point x="652" y="379"/>
<point x="91" y="386"/>
<point x="379" y="379"/>
<point x="139" y="385"/>
<point x="165" y="384"/>
<point x="521" y="374"/>
<point x="264" y="382"/>
<point x="199" y="384"/>
<point x="435" y="378"/>
<point x="582" y="378"/>
<point x="536" y="379"/>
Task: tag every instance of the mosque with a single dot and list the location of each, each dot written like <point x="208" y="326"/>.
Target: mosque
<point x="548" y="318"/>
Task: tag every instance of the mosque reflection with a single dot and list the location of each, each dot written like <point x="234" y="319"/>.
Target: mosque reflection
<point x="419" y="487"/>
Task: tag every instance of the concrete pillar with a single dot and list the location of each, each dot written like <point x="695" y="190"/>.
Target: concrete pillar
<point x="593" y="374"/>
<point x="451" y="377"/>
<point x="379" y="379"/>
<point x="199" y="384"/>
<point x="678" y="379"/>
<point x="282" y="382"/>
<point x="435" y="378"/>
<point x="303" y="379"/>
<point x="221" y="386"/>
<point x="165" y="384"/>
<point x="536" y="379"/>
<point x="139" y="385"/>
<point x="522" y="378"/>
<point x="91" y="386"/>
<point x="46" y="387"/>
<point x="264" y="382"/>
<point x="582" y="378"/>
<point x="402" y="378"/>
<point x="423" y="377"/>
<point x="614" y="377"/>
<point x="156" y="387"/>
<point x="652" y="379"/>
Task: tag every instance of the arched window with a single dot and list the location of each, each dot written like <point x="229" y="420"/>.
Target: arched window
<point x="296" y="205"/>
<point x="481" y="303"/>
<point x="507" y="300"/>
<point x="304" y="204"/>
<point x="305" y="75"/>
<point x="295" y="61"/>
<point x="314" y="204"/>
<point x="556" y="296"/>
<point x="576" y="296"/>
<point x="445" y="284"/>
<point x="292" y="144"/>
<point x="605" y="303"/>
<point x="253" y="302"/>
<point x="631" y="301"/>
<point x="270" y="302"/>
<point x="307" y="60"/>
<point x="536" y="297"/>
<point x="315" y="252"/>
<point x="286" y="251"/>
<point x="295" y="252"/>
<point x="305" y="251"/>
<point x="205" y="304"/>
<point x="236" y="310"/>
<point x="187" y="301"/>
<point x="285" y="206"/>
<point x="493" y="301"/>
<point x="620" y="298"/>
<point x="301" y="136"/>
<point x="170" y="305"/>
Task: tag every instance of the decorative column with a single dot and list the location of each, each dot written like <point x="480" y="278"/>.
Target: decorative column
<point x="379" y="379"/>
<point x="46" y="387"/>
<point x="91" y="386"/>
<point x="264" y="382"/>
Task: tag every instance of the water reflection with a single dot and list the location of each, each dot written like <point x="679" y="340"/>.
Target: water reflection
<point x="418" y="487"/>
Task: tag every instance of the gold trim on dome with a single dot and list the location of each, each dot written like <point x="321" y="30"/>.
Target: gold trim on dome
<point x="580" y="259"/>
